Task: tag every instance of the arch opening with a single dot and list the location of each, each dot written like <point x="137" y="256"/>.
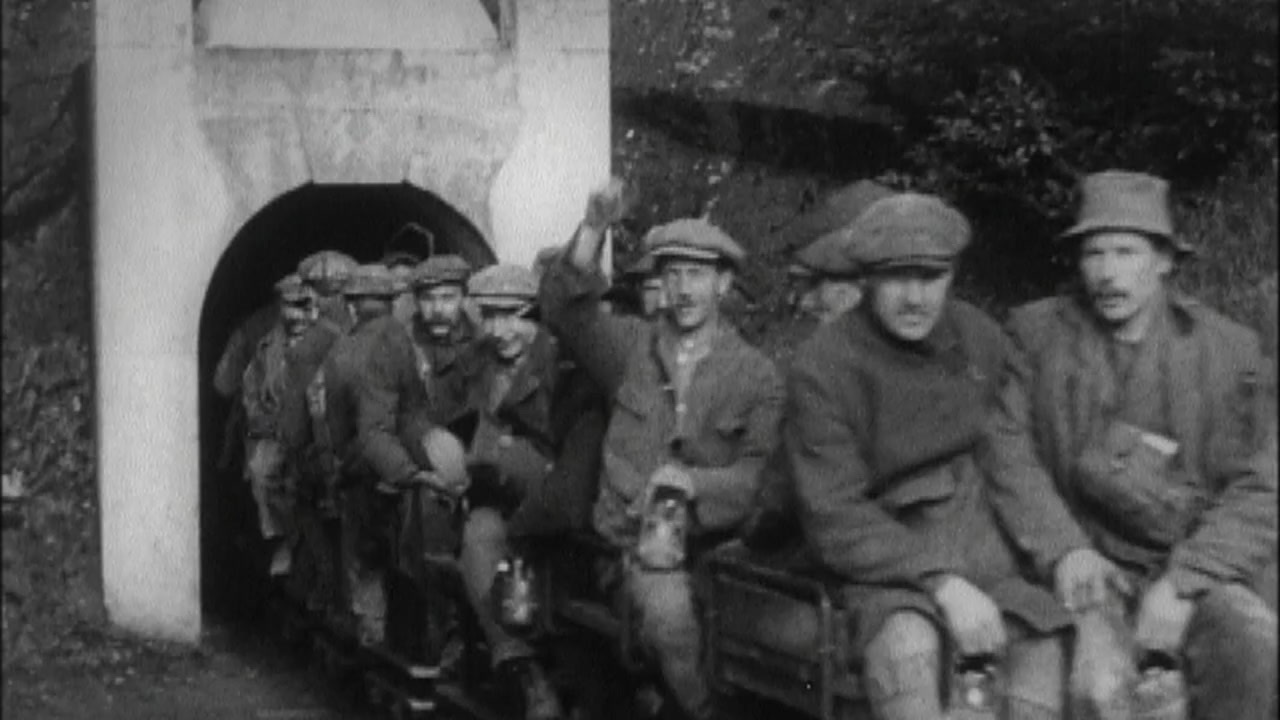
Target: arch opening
<point x="359" y="220"/>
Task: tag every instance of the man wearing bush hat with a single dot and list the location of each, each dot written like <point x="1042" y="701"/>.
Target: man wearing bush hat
<point x="533" y="457"/>
<point x="883" y="438"/>
<point x="443" y="334"/>
<point x="694" y="412"/>
<point x="1141" y="411"/>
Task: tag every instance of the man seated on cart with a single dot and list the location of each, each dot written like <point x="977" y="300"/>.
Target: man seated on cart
<point x="526" y="452"/>
<point x="694" y="411"/>
<point x="884" y="437"/>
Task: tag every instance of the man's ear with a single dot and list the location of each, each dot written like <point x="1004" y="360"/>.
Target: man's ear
<point x="724" y="282"/>
<point x="1166" y="263"/>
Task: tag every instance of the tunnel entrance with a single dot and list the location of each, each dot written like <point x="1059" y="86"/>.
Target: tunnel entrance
<point x="360" y="220"/>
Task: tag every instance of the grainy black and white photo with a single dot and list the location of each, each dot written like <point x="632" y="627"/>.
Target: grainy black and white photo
<point x="640" y="359"/>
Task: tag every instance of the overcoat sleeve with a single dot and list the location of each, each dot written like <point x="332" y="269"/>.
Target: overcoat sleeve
<point x="602" y="344"/>
<point x="823" y="437"/>
<point x="1237" y="534"/>
<point x="377" y="405"/>
<point x="1023" y="493"/>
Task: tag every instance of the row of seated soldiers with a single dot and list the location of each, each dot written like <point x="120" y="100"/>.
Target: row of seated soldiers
<point x="1083" y="496"/>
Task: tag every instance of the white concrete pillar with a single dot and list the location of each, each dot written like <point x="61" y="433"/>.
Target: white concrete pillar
<point x="563" y="149"/>
<point x="159" y="209"/>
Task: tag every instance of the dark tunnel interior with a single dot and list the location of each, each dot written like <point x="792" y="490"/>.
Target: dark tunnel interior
<point x="359" y="220"/>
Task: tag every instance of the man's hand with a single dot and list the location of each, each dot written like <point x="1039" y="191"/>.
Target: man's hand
<point x="605" y="206"/>
<point x="1163" y="618"/>
<point x="608" y="205"/>
<point x="973" y="617"/>
<point x="1083" y="578"/>
<point x="672" y="476"/>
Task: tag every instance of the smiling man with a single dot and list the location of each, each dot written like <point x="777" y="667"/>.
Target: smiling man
<point x="884" y="438"/>
<point x="443" y="335"/>
<point x="694" y="411"/>
<point x="1144" y="409"/>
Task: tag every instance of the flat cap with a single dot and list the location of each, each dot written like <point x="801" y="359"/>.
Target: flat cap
<point x="372" y="281"/>
<point x="441" y="269"/>
<point x="836" y="212"/>
<point x="695" y="239"/>
<point x="641" y="269"/>
<point x="907" y="230"/>
<point x="503" y="285"/>
<point x="291" y="289"/>
<point x="326" y="270"/>
<point x="828" y="256"/>
<point x="1124" y="200"/>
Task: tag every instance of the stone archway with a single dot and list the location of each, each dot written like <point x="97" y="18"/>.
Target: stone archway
<point x="355" y="219"/>
<point x="198" y="126"/>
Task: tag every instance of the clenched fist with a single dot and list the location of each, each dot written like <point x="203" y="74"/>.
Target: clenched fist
<point x="1163" y="618"/>
<point x="1083" y="577"/>
<point x="609" y="204"/>
<point x="972" y="615"/>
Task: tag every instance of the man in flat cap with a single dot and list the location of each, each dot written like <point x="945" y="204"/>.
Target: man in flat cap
<point x="262" y="393"/>
<point x="694" y="412"/>
<point x="1140" y="412"/>
<point x="326" y="273"/>
<point x="884" y="435"/>
<point x="830" y="283"/>
<point x="524" y="476"/>
<point x="443" y="334"/>
<point x="372" y="400"/>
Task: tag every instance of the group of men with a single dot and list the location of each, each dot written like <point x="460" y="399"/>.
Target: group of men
<point x="1081" y="498"/>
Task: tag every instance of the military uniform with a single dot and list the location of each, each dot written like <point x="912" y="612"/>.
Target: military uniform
<point x="717" y="431"/>
<point x="1162" y="451"/>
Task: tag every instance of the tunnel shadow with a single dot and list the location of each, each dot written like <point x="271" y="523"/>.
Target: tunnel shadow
<point x="359" y="220"/>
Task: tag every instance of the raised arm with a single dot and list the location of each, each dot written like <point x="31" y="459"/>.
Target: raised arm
<point x="570" y="297"/>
